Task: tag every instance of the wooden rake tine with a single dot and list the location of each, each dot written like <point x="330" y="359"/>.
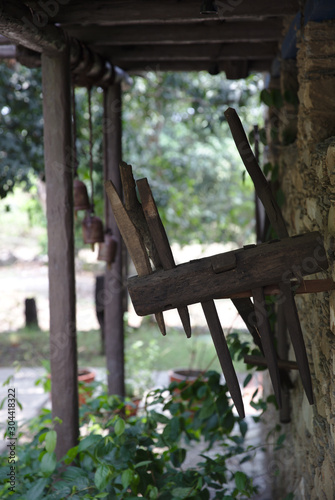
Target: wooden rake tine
<point x="294" y="328"/>
<point x="161" y="241"/>
<point x="164" y="251"/>
<point x="267" y="341"/>
<point x="133" y="241"/>
<point x="276" y="218"/>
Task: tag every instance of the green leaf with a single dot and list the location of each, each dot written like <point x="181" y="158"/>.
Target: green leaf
<point x="101" y="495"/>
<point x="75" y="475"/>
<point x="243" y="427"/>
<point x="247" y="380"/>
<point x="141" y="464"/>
<point x="266" y="97"/>
<point x="119" y="427"/>
<point x="181" y="492"/>
<point x="71" y="455"/>
<point x="178" y="457"/>
<point x="207" y="410"/>
<point x="91" y="439"/>
<point x="240" y="480"/>
<point x="281" y="439"/>
<point x="126" y="477"/>
<point x="290" y="496"/>
<point x="277" y="98"/>
<point x="36" y="491"/>
<point x="48" y="463"/>
<point x="50" y="441"/>
<point x="101" y="477"/>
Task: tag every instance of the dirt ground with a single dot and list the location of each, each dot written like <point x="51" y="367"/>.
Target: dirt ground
<point x="26" y="278"/>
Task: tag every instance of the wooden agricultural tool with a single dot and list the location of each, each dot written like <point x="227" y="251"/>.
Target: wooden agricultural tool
<point x="276" y="267"/>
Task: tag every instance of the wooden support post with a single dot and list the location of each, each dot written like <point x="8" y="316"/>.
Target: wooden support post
<point x="58" y="172"/>
<point x="114" y="280"/>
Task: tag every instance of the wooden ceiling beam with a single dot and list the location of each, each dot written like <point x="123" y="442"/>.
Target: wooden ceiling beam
<point x="209" y="32"/>
<point x="215" y="52"/>
<point x="23" y="27"/>
<point x="7" y="51"/>
<point x="125" y="12"/>
<point x="253" y="66"/>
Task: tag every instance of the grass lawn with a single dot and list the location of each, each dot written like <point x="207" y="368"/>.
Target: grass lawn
<point x="145" y="348"/>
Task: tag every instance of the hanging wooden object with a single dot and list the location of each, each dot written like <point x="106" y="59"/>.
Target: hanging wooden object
<point x="93" y="229"/>
<point x="80" y="195"/>
<point x="107" y="249"/>
<point x="276" y="267"/>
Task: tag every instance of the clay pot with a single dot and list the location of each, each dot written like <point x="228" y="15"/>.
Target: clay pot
<point x="183" y="375"/>
<point x="86" y="376"/>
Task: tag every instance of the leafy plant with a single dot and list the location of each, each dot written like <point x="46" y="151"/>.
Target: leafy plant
<point x="121" y="457"/>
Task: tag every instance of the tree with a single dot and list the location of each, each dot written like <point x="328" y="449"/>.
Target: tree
<point x="174" y="133"/>
<point x="21" y="126"/>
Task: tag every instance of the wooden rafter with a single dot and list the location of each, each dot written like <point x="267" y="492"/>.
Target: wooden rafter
<point x="187" y="33"/>
<point x="128" y="12"/>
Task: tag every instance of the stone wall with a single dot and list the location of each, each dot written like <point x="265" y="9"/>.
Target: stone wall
<point x="307" y="177"/>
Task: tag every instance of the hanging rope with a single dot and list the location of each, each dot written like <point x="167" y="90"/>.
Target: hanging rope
<point x="74" y="132"/>
<point x="89" y="90"/>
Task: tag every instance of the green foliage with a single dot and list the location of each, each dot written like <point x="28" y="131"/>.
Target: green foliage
<point x="174" y="133"/>
<point x="21" y="126"/>
<point x="124" y="457"/>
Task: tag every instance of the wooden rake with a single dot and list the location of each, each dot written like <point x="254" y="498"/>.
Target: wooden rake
<point x="252" y="271"/>
<point x="133" y="235"/>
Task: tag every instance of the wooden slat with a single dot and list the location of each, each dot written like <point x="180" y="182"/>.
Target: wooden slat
<point x="165" y="34"/>
<point x="129" y="233"/>
<point x="222" y="351"/>
<point x="134" y="67"/>
<point x="196" y="281"/>
<point x="216" y="52"/>
<point x="161" y="240"/>
<point x="115" y="12"/>
<point x="133" y="241"/>
<point x="262" y="187"/>
<point x="260" y="361"/>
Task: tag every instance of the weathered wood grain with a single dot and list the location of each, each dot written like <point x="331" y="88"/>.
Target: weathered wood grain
<point x="133" y="241"/>
<point x="222" y="351"/>
<point x="196" y="281"/>
<point x="161" y="241"/>
<point x="269" y="350"/>
<point x="62" y="296"/>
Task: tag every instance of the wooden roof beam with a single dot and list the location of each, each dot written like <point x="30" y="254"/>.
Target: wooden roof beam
<point x="128" y="12"/>
<point x="210" y="32"/>
<point x="20" y="26"/>
<point x="216" y="52"/>
<point x="253" y="66"/>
